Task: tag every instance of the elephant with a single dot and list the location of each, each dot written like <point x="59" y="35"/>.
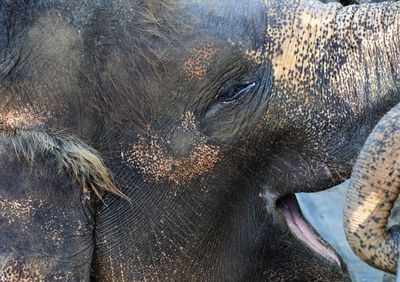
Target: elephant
<point x="166" y="139"/>
<point x="372" y="192"/>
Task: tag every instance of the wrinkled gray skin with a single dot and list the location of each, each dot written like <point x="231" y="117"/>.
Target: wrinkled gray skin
<point x="210" y="115"/>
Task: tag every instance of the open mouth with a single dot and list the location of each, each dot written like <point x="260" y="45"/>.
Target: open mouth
<point x="302" y="229"/>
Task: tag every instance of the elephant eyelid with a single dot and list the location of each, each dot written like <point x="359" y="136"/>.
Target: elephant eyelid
<point x="234" y="91"/>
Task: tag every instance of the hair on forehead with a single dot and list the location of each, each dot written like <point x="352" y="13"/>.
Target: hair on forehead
<point x="127" y="48"/>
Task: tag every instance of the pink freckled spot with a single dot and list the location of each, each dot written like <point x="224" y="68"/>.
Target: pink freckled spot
<point x="149" y="156"/>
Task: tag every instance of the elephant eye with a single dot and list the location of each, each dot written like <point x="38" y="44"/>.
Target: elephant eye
<point x="233" y="91"/>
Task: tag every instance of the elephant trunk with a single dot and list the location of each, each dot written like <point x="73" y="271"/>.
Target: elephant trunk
<point x="374" y="186"/>
<point x="373" y="42"/>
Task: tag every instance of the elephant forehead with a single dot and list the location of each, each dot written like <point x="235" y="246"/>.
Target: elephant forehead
<point x="51" y="53"/>
<point x="50" y="30"/>
<point x="44" y="67"/>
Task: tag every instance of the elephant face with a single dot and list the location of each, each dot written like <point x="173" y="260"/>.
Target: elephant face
<point x="221" y="145"/>
<point x="210" y="94"/>
<point x="210" y="115"/>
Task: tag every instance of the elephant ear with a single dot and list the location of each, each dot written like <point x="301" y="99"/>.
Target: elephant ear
<point x="373" y="189"/>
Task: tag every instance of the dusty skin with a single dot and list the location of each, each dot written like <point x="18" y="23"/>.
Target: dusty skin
<point x="172" y="135"/>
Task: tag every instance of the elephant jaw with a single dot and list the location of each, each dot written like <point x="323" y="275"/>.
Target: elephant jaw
<point x="303" y="231"/>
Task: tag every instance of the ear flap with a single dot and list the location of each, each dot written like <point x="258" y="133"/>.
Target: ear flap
<point x="46" y="217"/>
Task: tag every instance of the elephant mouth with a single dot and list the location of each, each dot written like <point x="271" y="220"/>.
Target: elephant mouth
<point x="301" y="229"/>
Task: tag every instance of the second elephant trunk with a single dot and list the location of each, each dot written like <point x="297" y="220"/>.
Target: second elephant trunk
<point x="374" y="186"/>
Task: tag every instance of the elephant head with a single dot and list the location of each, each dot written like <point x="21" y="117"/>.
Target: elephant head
<point x="209" y="115"/>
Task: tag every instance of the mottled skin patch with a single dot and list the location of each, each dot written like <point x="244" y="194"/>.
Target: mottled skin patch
<point x="22" y="118"/>
<point x="373" y="188"/>
<point x="179" y="165"/>
<point x="17" y="210"/>
<point x="200" y="59"/>
<point x="17" y="271"/>
<point x="34" y="269"/>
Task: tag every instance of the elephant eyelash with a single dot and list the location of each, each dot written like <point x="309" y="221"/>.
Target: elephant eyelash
<point x="234" y="91"/>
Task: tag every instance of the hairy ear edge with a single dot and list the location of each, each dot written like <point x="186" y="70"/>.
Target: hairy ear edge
<point x="75" y="157"/>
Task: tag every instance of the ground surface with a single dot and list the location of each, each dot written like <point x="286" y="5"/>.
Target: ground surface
<point x="325" y="212"/>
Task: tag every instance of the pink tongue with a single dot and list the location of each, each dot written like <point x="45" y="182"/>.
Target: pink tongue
<point x="302" y="230"/>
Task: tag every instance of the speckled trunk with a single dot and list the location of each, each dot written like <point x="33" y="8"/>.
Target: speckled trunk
<point x="358" y="62"/>
<point x="374" y="182"/>
<point x="373" y="189"/>
<point x="368" y="58"/>
<point x="339" y="70"/>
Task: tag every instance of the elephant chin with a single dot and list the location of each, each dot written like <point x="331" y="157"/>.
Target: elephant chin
<point x="301" y="229"/>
